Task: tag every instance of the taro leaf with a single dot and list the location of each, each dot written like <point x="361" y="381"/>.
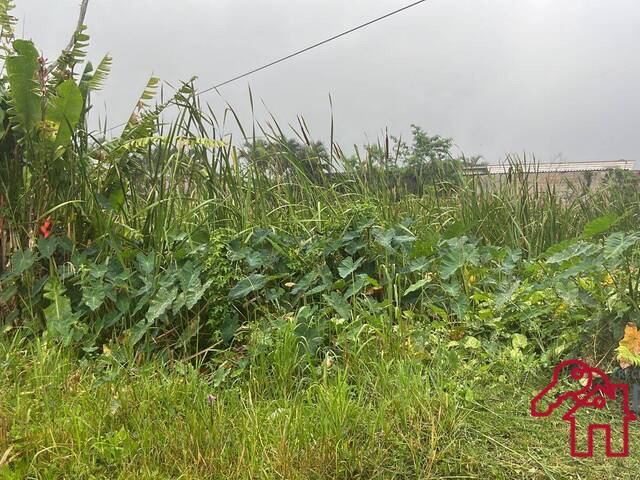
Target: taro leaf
<point x="580" y="249"/>
<point x="558" y="247"/>
<point x="160" y="303"/>
<point x="348" y="266"/>
<point x="138" y="331"/>
<point x="248" y="285"/>
<point x="146" y="263"/>
<point x="65" y="110"/>
<point x="339" y="304"/>
<point x="617" y="244"/>
<point x="360" y="282"/>
<point x="385" y="238"/>
<point x="451" y="262"/>
<point x="312" y="336"/>
<point x="417" y="265"/>
<point x="220" y="375"/>
<point x="98" y="271"/>
<point x="460" y="306"/>
<point x="21" y="261"/>
<point x="506" y="293"/>
<point x="460" y="254"/>
<point x="600" y="225"/>
<point x="47" y="246"/>
<point x="93" y="295"/>
<point x="416" y="286"/>
<point x="7" y="294"/>
<point x="229" y="327"/>
<point x="58" y="315"/>
<point x="192" y="288"/>
<point x="355" y="246"/>
<point x="109" y="320"/>
<point x="404" y="241"/>
<point x="305" y="282"/>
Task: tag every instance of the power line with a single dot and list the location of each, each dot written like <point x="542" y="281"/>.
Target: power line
<point x="299" y="52"/>
<point x="315" y="45"/>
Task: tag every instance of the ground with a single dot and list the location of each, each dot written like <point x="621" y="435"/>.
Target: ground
<point x="385" y="417"/>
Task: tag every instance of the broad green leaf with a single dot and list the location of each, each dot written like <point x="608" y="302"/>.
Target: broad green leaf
<point x="580" y="249"/>
<point x="26" y="108"/>
<point x="229" y="327"/>
<point x="58" y="315"/>
<point x="339" y="304"/>
<point x="348" y="266"/>
<point x="93" y="295"/>
<point x="416" y="286"/>
<point x="518" y="340"/>
<point x="160" y="303"/>
<point x="600" y="225"/>
<point x="146" y="263"/>
<point x="617" y="244"/>
<point x="7" y="294"/>
<point x="558" y="247"/>
<point x="64" y="110"/>
<point x="459" y="255"/>
<point x="248" y="285"/>
<point x="21" y="261"/>
<point x="358" y="284"/>
<point x="138" y="331"/>
<point x="47" y="246"/>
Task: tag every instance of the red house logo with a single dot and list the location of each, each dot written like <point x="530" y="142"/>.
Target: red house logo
<point x="590" y="390"/>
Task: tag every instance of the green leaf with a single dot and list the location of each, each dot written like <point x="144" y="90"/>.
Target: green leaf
<point x="248" y="285"/>
<point x="518" y="340"/>
<point x="580" y="249"/>
<point x="7" y="294"/>
<point x="93" y="296"/>
<point x="65" y="110"/>
<point x="26" y="109"/>
<point x="339" y="304"/>
<point x="100" y="76"/>
<point x="160" y="303"/>
<point x="138" y="331"/>
<point x="356" y="287"/>
<point x="348" y="266"/>
<point x="600" y="225"/>
<point x="558" y="247"/>
<point x="229" y="327"/>
<point x="146" y="263"/>
<point x="416" y="286"/>
<point x="460" y="254"/>
<point x="58" y="315"/>
<point x="21" y="261"/>
<point x="617" y="244"/>
<point x="47" y="246"/>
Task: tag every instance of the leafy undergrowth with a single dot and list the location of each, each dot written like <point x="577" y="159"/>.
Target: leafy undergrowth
<point x="380" y="413"/>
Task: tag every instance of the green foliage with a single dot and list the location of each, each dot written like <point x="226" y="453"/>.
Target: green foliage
<point x="64" y="111"/>
<point x="26" y="107"/>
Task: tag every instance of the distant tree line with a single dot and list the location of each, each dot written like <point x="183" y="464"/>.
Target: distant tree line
<point x="426" y="162"/>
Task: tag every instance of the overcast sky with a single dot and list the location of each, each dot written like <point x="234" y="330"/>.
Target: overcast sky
<point x="554" y="78"/>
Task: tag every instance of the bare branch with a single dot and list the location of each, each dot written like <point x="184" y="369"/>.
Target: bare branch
<point x="81" y="17"/>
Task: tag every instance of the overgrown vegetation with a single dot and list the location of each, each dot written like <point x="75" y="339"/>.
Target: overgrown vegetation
<point x="178" y="302"/>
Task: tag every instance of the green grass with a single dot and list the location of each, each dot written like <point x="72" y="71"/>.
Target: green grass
<point x="382" y="414"/>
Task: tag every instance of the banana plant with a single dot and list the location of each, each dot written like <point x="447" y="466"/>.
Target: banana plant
<point x="42" y="107"/>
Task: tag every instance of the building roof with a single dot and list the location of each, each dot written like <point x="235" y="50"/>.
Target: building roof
<point x="596" y="166"/>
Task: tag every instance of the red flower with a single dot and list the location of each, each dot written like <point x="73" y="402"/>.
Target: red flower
<point x="45" y="229"/>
